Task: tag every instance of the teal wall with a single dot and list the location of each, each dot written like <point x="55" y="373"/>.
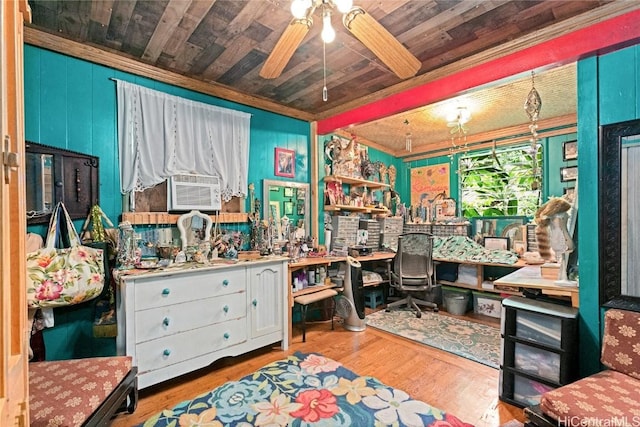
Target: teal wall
<point x="71" y="104"/>
<point x="608" y="92"/>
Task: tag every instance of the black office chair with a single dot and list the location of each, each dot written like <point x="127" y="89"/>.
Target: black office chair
<point x="412" y="270"/>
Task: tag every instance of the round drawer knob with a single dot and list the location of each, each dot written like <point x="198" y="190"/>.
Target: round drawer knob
<point x="225" y="308"/>
<point x="166" y="352"/>
<point x="226" y="335"/>
<point x="166" y="291"/>
<point x="165" y="321"/>
<point x="254" y="302"/>
<point x="225" y="282"/>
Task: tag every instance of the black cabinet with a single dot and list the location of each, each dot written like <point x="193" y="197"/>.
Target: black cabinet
<point x="539" y="349"/>
<point x="56" y="175"/>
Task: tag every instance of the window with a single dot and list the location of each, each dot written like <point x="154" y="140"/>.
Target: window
<point x="504" y="181"/>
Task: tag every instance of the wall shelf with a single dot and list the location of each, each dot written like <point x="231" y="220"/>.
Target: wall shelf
<point x="355" y="181"/>
<point x="364" y="209"/>
<point x="162" y="218"/>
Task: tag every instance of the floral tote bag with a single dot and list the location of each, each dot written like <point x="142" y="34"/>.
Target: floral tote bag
<point x="63" y="272"/>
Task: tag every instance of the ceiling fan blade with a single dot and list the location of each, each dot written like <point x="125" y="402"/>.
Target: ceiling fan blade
<point x="382" y="43"/>
<point x="285" y="47"/>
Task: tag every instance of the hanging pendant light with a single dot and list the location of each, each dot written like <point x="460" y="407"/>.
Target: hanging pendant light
<point x="532" y="106"/>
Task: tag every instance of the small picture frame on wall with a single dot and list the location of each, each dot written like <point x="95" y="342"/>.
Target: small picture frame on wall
<point x="501" y="243"/>
<point x="569" y="173"/>
<point x="301" y="193"/>
<point x="285" y="163"/>
<point x="288" y="192"/>
<point x="288" y="208"/>
<point x="569" y="150"/>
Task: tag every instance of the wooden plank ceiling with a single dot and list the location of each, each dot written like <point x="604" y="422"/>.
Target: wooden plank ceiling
<point x="223" y="44"/>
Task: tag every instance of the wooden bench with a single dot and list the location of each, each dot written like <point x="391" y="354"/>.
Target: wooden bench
<point x="305" y="300"/>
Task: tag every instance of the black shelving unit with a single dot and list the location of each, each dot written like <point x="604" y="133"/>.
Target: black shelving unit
<point x="539" y="349"/>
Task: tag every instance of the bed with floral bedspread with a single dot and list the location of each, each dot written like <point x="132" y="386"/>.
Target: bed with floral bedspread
<point x="304" y="390"/>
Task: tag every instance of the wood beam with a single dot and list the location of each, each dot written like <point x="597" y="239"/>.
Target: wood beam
<point x="599" y="37"/>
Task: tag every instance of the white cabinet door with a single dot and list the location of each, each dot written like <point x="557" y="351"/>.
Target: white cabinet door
<point x="265" y="301"/>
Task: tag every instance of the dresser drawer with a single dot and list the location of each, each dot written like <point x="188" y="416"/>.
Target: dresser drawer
<point x="156" y="354"/>
<point x="169" y="290"/>
<point x="171" y="319"/>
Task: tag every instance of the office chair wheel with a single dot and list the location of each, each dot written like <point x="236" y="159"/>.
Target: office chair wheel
<point x="419" y="314"/>
<point x="435" y="310"/>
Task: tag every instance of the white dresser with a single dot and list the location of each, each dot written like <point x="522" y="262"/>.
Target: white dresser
<point x="175" y="321"/>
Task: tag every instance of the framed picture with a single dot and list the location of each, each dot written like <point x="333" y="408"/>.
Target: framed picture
<point x="288" y="192"/>
<point x="274" y="213"/>
<point x="300" y="208"/>
<point x="501" y="243"/>
<point x="301" y="193"/>
<point x="502" y="226"/>
<point x="288" y="208"/>
<point x="570" y="192"/>
<point x="285" y="162"/>
<point x="569" y="174"/>
<point x="569" y="150"/>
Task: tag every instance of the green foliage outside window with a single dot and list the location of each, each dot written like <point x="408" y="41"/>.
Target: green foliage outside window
<point x="500" y="182"/>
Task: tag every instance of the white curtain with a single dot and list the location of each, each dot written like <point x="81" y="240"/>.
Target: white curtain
<point x="161" y="135"/>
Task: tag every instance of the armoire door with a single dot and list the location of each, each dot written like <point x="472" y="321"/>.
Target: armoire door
<point x="14" y="339"/>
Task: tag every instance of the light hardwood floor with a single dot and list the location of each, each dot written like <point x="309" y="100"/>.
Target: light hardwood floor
<point x="454" y="384"/>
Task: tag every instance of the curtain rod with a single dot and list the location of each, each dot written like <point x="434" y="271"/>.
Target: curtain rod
<point x="212" y="105"/>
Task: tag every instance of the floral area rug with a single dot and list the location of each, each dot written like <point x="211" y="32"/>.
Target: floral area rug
<point x="474" y="341"/>
<point x="304" y="390"/>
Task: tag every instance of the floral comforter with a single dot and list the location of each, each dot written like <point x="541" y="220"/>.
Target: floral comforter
<point x="304" y="390"/>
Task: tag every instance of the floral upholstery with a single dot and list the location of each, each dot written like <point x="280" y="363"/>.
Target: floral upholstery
<point x="621" y="342"/>
<point x="65" y="393"/>
<point x="609" y="397"/>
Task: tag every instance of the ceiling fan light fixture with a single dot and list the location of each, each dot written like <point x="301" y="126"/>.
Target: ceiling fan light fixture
<point x="299" y="8"/>
<point x="328" y="34"/>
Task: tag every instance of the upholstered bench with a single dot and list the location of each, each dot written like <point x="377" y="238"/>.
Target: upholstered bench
<point x="610" y="397"/>
<point x="81" y="392"/>
<point x="305" y="300"/>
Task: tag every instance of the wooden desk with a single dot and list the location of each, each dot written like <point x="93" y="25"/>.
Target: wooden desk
<point x="479" y="267"/>
<point x="316" y="261"/>
<point x="531" y="277"/>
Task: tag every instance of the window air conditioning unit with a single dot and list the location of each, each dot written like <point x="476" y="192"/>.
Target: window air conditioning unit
<point x="193" y="192"/>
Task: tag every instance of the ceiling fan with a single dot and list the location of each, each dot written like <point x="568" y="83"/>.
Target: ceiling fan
<point x="362" y="25"/>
